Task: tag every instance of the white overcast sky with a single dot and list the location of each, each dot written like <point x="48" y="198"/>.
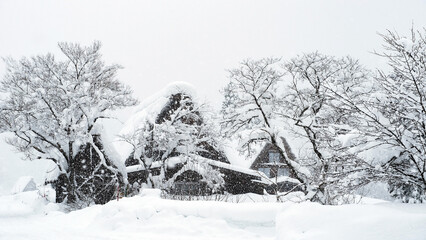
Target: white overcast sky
<point x="159" y="42"/>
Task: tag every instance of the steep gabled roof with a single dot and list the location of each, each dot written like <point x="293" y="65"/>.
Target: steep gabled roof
<point x="239" y="159"/>
<point x="148" y="112"/>
<point x="268" y="147"/>
<point x="151" y="108"/>
<point x="175" y="104"/>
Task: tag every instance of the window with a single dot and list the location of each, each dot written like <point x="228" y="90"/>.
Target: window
<point x="274" y="157"/>
<point x="283" y="172"/>
<point x="266" y="171"/>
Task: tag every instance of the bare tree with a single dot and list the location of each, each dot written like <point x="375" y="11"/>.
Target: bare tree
<point x="401" y="113"/>
<point x="314" y="106"/>
<point x="250" y="109"/>
<point x="53" y="107"/>
<point x="262" y="105"/>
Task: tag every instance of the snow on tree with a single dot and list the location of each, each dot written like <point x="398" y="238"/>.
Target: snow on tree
<point x="314" y="106"/>
<point x="54" y="108"/>
<point x="389" y="115"/>
<point x="398" y="122"/>
<point x="250" y="109"/>
<point x="378" y="122"/>
<point x="169" y="131"/>
<point x="303" y="102"/>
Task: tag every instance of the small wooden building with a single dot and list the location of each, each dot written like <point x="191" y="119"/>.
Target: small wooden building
<point x="271" y="162"/>
<point x="175" y="109"/>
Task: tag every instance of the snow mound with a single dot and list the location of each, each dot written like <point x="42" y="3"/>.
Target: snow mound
<point x="25" y="204"/>
<point x="29" y="216"/>
<point x="156" y="193"/>
<point x="385" y="221"/>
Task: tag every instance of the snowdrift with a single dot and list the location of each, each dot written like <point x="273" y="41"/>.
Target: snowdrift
<point x="385" y="221"/>
<point x="28" y="216"/>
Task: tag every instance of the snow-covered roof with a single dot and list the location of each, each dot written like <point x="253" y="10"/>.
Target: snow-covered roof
<point x="235" y="168"/>
<point x="230" y="149"/>
<point x="298" y="148"/>
<point x="148" y="110"/>
<point x="245" y="170"/>
<point x="139" y="167"/>
<point x="24" y="184"/>
<point x="280" y="179"/>
<point x="52" y="172"/>
<point x="262" y="177"/>
<point x="151" y="107"/>
<point x="111" y="150"/>
<point x="246" y="161"/>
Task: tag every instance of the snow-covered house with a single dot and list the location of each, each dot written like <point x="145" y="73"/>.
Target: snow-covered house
<point x="270" y="162"/>
<point x="166" y="138"/>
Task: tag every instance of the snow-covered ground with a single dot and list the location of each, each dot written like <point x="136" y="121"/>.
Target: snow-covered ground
<point x="29" y="216"/>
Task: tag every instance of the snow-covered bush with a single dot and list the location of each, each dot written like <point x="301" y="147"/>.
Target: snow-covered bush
<point x="54" y="107"/>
